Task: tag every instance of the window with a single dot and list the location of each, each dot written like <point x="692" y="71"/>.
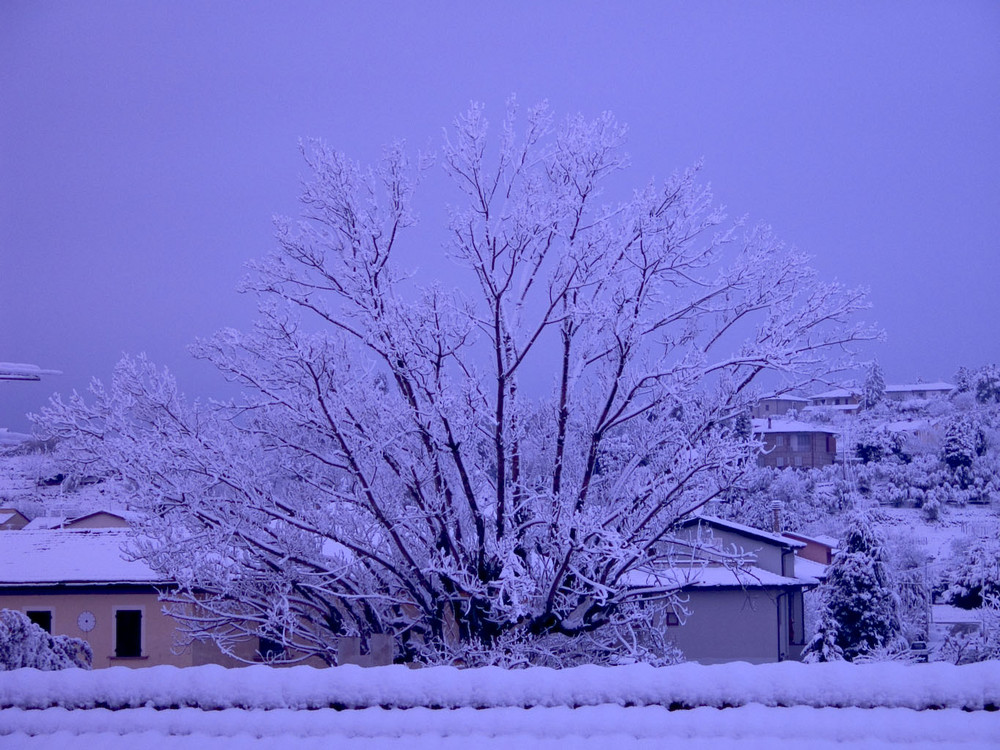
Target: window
<point x="268" y="650"/>
<point x="673" y="620"/>
<point x="41" y="617"/>
<point x="779" y="440"/>
<point x="779" y="461"/>
<point x="798" y="460"/>
<point x="128" y="633"/>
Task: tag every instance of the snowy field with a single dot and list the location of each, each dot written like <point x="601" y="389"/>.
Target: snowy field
<point x="834" y="705"/>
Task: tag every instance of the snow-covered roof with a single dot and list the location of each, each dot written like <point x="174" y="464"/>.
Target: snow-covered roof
<point x="939" y="386"/>
<point x="824" y="539"/>
<point x="69" y="557"/>
<point x="41" y="523"/>
<point x="836" y="393"/>
<point x="22" y="371"/>
<point x="772" y="425"/>
<point x="712" y="577"/>
<point x="945" y="613"/>
<point x="740" y="528"/>
<point x="786" y="397"/>
<point x="805" y="568"/>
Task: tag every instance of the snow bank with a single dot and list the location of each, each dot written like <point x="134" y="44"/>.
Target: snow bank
<point x="922" y="686"/>
<point x="897" y="725"/>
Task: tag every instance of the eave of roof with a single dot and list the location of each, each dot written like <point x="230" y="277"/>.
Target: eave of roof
<point x="740" y="528"/>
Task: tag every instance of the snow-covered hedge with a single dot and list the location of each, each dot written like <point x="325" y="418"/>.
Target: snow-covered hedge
<point x="938" y="685"/>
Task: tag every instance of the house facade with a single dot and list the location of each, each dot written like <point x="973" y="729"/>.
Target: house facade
<point x="918" y="391"/>
<point x="794" y="444"/>
<point x="749" y="612"/>
<point x="78" y="582"/>
<point x="777" y="406"/>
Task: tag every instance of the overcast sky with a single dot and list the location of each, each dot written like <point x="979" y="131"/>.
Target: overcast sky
<point x="145" y="147"/>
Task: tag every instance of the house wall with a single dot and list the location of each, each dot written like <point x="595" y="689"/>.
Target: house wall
<point x="12" y="520"/>
<point x="814" y="550"/>
<point x="98" y="521"/>
<point x="158" y="630"/>
<point x="916" y="393"/>
<point x="732" y="625"/>
<point x="806" y="450"/>
<point x="772" y="407"/>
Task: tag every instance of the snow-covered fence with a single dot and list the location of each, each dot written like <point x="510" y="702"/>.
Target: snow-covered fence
<point x="927" y="686"/>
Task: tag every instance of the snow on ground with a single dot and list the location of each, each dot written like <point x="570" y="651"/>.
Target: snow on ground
<point x="938" y="537"/>
<point x="591" y="726"/>
<point x="823" y="705"/>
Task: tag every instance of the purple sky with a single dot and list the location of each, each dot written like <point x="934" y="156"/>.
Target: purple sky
<point x="144" y="148"/>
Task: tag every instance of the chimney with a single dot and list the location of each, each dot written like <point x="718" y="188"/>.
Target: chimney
<point x="776" y="506"/>
<point x="769" y="423"/>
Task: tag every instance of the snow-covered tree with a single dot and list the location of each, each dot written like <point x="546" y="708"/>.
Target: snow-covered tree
<point x="861" y="607"/>
<point x="873" y="390"/>
<point x="25" y="644"/>
<point x="964" y="441"/>
<point x="987" y="384"/>
<point x="475" y="472"/>
<point x="974" y="574"/>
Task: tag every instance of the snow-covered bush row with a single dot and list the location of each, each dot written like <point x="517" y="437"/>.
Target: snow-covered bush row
<point x="891" y="685"/>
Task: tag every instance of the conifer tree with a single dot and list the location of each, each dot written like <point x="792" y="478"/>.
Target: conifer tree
<point x="873" y="391"/>
<point x="861" y="612"/>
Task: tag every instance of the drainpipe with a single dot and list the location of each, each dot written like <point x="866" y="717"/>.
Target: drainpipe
<point x="777" y="606"/>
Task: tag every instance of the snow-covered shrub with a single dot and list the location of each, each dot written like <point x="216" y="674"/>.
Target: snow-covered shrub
<point x="908" y="559"/>
<point x="25" y="644"/>
<point x="971" y="645"/>
<point x="974" y="574"/>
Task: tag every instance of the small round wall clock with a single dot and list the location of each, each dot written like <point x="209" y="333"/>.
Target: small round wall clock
<point x="86" y="621"/>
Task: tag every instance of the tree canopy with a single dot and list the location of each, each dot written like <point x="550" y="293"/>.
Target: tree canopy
<point x="393" y="465"/>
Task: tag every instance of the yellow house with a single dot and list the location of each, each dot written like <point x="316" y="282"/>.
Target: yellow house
<point x="78" y="582"/>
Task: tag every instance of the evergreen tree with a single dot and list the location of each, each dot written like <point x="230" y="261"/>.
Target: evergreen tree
<point x="873" y="391"/>
<point x="987" y="382"/>
<point x="861" y="612"/>
<point x="964" y="441"/>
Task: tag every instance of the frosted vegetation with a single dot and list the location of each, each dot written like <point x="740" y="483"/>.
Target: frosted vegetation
<point x="24" y="644"/>
<point x="921" y="487"/>
<point x="476" y="472"/>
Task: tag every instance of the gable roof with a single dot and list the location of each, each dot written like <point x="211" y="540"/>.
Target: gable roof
<point x="738" y="528"/>
<point x="32" y="558"/>
<point x="106" y="517"/>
